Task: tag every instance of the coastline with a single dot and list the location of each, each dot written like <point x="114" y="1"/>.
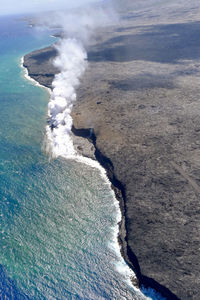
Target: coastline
<point x="94" y="160"/>
<point x="135" y="278"/>
<point x="29" y="78"/>
<point x="93" y="157"/>
<point x="139" y="98"/>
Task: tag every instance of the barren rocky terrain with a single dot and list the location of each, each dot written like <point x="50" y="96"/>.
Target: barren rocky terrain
<point x="140" y="96"/>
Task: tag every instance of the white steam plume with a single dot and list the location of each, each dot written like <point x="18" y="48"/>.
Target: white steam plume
<point x="71" y="60"/>
<point x="80" y="23"/>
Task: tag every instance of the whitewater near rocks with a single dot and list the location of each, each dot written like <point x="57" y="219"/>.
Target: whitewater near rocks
<point x="58" y="141"/>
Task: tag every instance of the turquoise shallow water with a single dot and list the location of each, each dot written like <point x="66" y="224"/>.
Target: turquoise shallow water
<point x="56" y="217"/>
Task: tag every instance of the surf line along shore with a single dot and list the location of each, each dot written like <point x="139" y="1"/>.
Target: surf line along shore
<point x="40" y="68"/>
<point x="82" y="148"/>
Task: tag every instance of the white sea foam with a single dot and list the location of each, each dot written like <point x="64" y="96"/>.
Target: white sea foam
<point x="26" y="75"/>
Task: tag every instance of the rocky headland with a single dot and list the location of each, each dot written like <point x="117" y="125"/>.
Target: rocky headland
<point x="139" y="103"/>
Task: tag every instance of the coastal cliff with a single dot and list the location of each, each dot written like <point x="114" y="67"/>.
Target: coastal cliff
<point x="140" y="97"/>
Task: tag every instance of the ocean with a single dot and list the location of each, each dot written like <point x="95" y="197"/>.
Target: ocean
<point x="58" y="217"/>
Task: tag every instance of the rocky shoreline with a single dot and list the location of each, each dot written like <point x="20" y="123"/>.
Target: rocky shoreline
<point x="42" y="71"/>
<point x="140" y="281"/>
<point x="139" y="104"/>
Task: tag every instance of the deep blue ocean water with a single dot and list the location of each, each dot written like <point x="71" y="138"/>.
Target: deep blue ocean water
<point x="56" y="216"/>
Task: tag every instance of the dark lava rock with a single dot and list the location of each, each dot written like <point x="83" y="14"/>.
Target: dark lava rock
<point x="40" y="67"/>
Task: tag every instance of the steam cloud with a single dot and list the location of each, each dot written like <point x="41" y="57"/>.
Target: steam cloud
<point x="71" y="61"/>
